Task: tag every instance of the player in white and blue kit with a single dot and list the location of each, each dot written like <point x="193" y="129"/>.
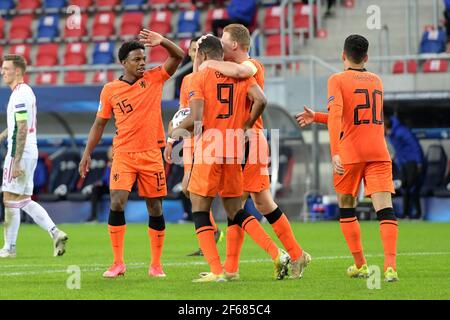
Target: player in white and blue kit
<point x="21" y="160"/>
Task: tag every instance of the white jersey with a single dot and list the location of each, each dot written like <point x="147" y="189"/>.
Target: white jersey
<point x="22" y="100"/>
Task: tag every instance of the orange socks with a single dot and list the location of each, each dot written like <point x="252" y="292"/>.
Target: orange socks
<point x="235" y="239"/>
<point x="256" y="232"/>
<point x="156" y="233"/>
<point x="283" y="230"/>
<point x="117" y="235"/>
<point x="352" y="233"/>
<point x="205" y="234"/>
<point x="389" y="235"/>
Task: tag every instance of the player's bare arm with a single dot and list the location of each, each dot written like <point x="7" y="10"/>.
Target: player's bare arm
<point x="95" y="134"/>
<point x="22" y="130"/>
<point x="255" y="94"/>
<point x="176" y="54"/>
<point x="229" y="69"/>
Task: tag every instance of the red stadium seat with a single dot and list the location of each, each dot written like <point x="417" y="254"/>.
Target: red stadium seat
<point x="161" y="22"/>
<point x="28" y="5"/>
<point x="106" y="3"/>
<point x="1" y="54"/>
<point x="46" y="78"/>
<point x="47" y="54"/>
<point x="184" y="44"/>
<point x="76" y="28"/>
<point x="158" y="54"/>
<point x="22" y="50"/>
<point x="75" y="77"/>
<point x="102" y="77"/>
<point x="103" y="24"/>
<point x="272" y="18"/>
<point x="75" y="54"/>
<point x="435" y="65"/>
<point x="160" y="3"/>
<point x="215" y="14"/>
<point x="273" y="45"/>
<point x="301" y="16"/>
<point x="84" y="4"/>
<point x="21" y="27"/>
<point x="2" y="27"/>
<point x="399" y="67"/>
<point x="131" y="23"/>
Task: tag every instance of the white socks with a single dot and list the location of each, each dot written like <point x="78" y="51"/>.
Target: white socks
<point x="40" y="217"/>
<point x="11" y="227"/>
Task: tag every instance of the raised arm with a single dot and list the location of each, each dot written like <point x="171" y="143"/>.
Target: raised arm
<point x="176" y="54"/>
<point x="95" y="134"/>
<point x="231" y="69"/>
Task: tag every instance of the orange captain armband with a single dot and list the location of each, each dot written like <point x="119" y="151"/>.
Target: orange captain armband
<point x="321" y="117"/>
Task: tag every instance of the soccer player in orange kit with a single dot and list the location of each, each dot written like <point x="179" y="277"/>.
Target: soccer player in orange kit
<point x="135" y="101"/>
<point x="359" y="152"/>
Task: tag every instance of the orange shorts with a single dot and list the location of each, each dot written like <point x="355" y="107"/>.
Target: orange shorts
<point x="377" y="177"/>
<point x="208" y="180"/>
<point x="256" y="168"/>
<point x="147" y="167"/>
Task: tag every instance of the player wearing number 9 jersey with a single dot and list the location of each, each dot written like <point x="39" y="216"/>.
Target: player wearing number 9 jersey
<point x="359" y="152"/>
<point x="135" y="102"/>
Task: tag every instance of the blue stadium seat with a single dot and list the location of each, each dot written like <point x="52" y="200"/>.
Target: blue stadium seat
<point x="104" y="53"/>
<point x="133" y="2"/>
<point x="58" y="4"/>
<point x="433" y="41"/>
<point x="48" y="26"/>
<point x="6" y="4"/>
<point x="188" y="23"/>
<point x="435" y="168"/>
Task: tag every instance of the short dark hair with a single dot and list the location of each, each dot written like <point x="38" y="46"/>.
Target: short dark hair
<point x="194" y="39"/>
<point x="127" y="47"/>
<point x="17" y="60"/>
<point x="356" y="47"/>
<point x="211" y="46"/>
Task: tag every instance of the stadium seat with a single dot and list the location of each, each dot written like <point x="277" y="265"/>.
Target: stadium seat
<point x="103" y="24"/>
<point x="273" y="45"/>
<point x="435" y="65"/>
<point x="75" y="77"/>
<point x="104" y="53"/>
<point x="23" y="50"/>
<point x="157" y="54"/>
<point x="28" y="5"/>
<point x="20" y="28"/>
<point x="63" y="176"/>
<point x="106" y="3"/>
<point x="215" y="14"/>
<point x="103" y="76"/>
<point x="83" y="189"/>
<point x="433" y="41"/>
<point x="435" y="168"/>
<point x="49" y="26"/>
<point x="399" y="67"/>
<point x="444" y="190"/>
<point x="184" y="44"/>
<point x="271" y="24"/>
<point x="161" y="22"/>
<point x="6" y="4"/>
<point x="134" y="3"/>
<point x="188" y="23"/>
<point x="84" y="4"/>
<point x="76" y="27"/>
<point x="57" y="4"/>
<point x="301" y="16"/>
<point x="159" y="3"/>
<point x="131" y="24"/>
<point x="75" y="54"/>
<point x="2" y="27"/>
<point x="47" y="55"/>
<point x="46" y="78"/>
<point x="1" y="54"/>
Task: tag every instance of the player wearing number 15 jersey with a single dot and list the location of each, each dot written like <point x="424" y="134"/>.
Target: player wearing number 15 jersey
<point x="135" y="102"/>
<point x="359" y="152"/>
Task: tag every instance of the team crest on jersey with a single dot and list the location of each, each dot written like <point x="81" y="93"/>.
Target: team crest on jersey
<point x="330" y="99"/>
<point x="142" y="84"/>
<point x="116" y="177"/>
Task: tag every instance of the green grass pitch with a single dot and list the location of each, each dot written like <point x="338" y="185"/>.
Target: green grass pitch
<point x="423" y="265"/>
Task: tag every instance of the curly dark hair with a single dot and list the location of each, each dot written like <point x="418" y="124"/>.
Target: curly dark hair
<point x="127" y="47"/>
